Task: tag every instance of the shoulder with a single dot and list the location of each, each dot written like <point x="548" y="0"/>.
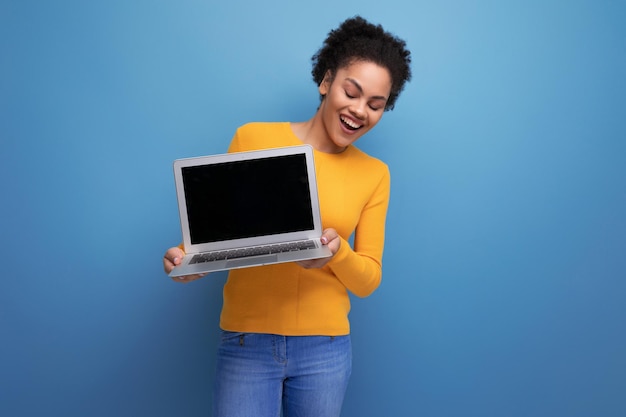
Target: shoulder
<point x="260" y="135"/>
<point x="263" y="130"/>
<point x="368" y="164"/>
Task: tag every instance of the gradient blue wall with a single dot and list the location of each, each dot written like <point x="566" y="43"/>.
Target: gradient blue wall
<point x="504" y="280"/>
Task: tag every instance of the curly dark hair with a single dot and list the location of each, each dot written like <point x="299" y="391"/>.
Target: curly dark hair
<point x="356" y="39"/>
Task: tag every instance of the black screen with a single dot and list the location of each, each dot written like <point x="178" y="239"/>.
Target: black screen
<point x="243" y="199"/>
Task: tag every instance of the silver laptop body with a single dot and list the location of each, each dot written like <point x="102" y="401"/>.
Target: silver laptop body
<point x="246" y="209"/>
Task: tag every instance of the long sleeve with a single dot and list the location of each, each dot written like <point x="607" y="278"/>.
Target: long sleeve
<point x="360" y="270"/>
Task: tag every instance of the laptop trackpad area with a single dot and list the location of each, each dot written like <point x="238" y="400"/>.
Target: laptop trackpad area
<point x="239" y="263"/>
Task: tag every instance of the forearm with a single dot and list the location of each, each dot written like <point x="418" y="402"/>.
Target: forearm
<point x="360" y="273"/>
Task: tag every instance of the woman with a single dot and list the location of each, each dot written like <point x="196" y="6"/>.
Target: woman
<point x="285" y="331"/>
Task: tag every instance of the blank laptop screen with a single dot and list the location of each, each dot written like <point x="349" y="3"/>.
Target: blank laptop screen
<point x="250" y="198"/>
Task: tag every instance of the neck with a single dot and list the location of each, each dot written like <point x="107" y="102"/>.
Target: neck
<point x="313" y="132"/>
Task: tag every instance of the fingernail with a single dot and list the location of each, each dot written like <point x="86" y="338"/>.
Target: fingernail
<point x="176" y="259"/>
<point x="324" y="240"/>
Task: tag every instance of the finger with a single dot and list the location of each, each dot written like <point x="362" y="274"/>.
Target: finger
<point x="313" y="263"/>
<point x="174" y="255"/>
<point x="172" y="258"/>
<point x="182" y="279"/>
<point x="305" y="264"/>
<point x="188" y="278"/>
<point x="168" y="265"/>
<point x="329" y="235"/>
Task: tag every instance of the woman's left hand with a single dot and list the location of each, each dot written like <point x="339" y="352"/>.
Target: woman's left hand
<point x="329" y="237"/>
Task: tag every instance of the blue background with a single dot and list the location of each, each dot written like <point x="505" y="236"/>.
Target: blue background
<point x="504" y="284"/>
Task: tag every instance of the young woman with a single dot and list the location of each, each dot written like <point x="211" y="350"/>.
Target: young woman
<point x="285" y="332"/>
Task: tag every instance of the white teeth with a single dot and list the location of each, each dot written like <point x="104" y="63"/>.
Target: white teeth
<point x="350" y="123"/>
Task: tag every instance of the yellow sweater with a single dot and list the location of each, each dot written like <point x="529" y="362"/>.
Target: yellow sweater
<point x="289" y="300"/>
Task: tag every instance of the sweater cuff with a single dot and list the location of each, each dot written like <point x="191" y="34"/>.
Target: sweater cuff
<point x="342" y="253"/>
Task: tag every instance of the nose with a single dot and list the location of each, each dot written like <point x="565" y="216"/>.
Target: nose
<point x="358" y="109"/>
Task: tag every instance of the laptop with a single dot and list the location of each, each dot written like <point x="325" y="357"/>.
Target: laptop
<point x="245" y="209"/>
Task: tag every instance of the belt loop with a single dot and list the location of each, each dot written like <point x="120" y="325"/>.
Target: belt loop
<point x="241" y="339"/>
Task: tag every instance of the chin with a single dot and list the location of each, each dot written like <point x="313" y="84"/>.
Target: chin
<point x="350" y="138"/>
<point x="344" y="143"/>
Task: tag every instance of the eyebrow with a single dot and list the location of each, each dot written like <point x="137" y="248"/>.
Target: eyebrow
<point x="358" y="86"/>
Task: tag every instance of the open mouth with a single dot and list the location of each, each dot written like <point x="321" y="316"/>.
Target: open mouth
<point x="350" y="124"/>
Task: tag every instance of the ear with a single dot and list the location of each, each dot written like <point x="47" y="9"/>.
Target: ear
<point x="324" y="86"/>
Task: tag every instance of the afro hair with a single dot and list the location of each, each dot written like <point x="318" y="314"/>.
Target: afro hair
<point x="356" y="39"/>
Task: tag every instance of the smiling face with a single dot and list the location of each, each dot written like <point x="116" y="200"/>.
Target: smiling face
<point x="354" y="102"/>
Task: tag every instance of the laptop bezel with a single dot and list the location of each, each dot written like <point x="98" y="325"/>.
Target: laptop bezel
<point x="313" y="233"/>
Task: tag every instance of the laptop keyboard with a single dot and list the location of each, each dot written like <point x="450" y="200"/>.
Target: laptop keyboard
<point x="254" y="251"/>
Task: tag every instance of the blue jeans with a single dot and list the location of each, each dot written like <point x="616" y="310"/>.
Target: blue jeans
<point x="259" y="373"/>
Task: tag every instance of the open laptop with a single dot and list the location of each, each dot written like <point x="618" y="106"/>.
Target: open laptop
<point x="246" y="209"/>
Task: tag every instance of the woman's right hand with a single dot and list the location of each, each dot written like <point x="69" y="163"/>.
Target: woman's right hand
<point x="172" y="258"/>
